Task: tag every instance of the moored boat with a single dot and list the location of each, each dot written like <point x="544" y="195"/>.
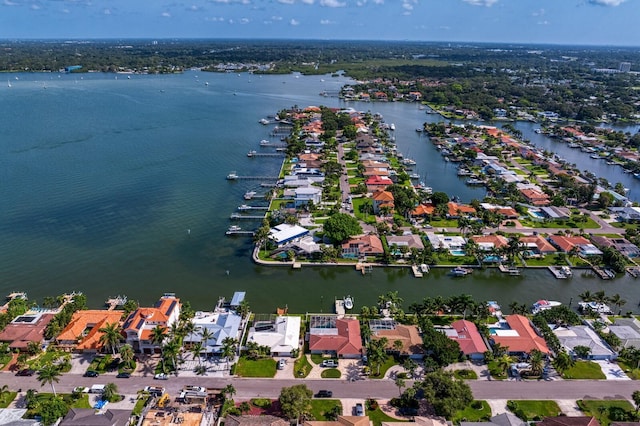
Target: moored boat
<point x="459" y="271"/>
<point x="543" y="305"/>
<point x="348" y="302"/>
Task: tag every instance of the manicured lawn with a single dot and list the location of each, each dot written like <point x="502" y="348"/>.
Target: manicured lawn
<point x="633" y="373"/>
<point x="390" y="362"/>
<point x="444" y="224"/>
<point x="82" y="402"/>
<point x="608" y="410"/>
<point x="256" y="368"/>
<point x="100" y="363"/>
<point x="320" y="407"/>
<point x="302" y="367"/>
<point x="6" y="399"/>
<point x="140" y="403"/>
<point x="465" y="374"/>
<point x="584" y="370"/>
<point x="49" y="357"/>
<point x="477" y="411"/>
<point x="317" y="358"/>
<point x="532" y="409"/>
<point x="330" y="373"/>
<point x="495" y="372"/>
<point x="378" y="416"/>
<point x="551" y="260"/>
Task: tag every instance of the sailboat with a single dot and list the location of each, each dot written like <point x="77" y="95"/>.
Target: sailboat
<point x="8" y="83"/>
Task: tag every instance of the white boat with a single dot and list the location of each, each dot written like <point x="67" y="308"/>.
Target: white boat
<point x="392" y="126"/>
<point x="419" y="129"/>
<point x="414" y="176"/>
<point x="264" y="121"/>
<point x="459" y="271"/>
<point x="595" y="156"/>
<point x="538" y="131"/>
<point x="600" y="308"/>
<point x="249" y="195"/>
<point x="424" y="268"/>
<point x="543" y="305"/>
<point x="409" y="162"/>
<point x="474" y="181"/>
<point x="464" y="172"/>
<point x="8" y="83"/>
<point x="233" y="229"/>
<point x="232" y="176"/>
<point x="348" y="302"/>
<point x="264" y="142"/>
<point x="251" y="153"/>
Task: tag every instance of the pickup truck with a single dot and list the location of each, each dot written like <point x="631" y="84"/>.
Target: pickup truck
<point x="96" y="389"/>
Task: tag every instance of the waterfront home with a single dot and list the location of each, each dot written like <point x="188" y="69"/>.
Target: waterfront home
<point x="310" y="160"/>
<point x="456" y="210"/>
<point x="24" y="329"/>
<point x="363" y="245"/>
<point x="627" y="330"/>
<point x="281" y="334"/>
<point x="582" y="335"/>
<point x="341" y="421"/>
<point x="535" y="197"/>
<point x="490" y="242"/>
<point x="219" y="324"/>
<point x="422" y="210"/>
<point x="567" y="243"/>
<point x="555" y="213"/>
<point x="306" y="246"/>
<point x="382" y="200"/>
<point x="536" y="246"/>
<point x="622" y="245"/>
<point x="626" y="214"/>
<point x="138" y="326"/>
<point x="285" y="233"/>
<point x="410" y="241"/>
<point x="468" y="337"/>
<point x="377" y="183"/>
<point x="504" y="419"/>
<point x="83" y="331"/>
<point x="338" y="337"/>
<point x="408" y="335"/>
<point x="295" y="181"/>
<point x="518" y="334"/>
<point x="452" y="243"/>
<point x="307" y="195"/>
<point x="93" y="417"/>
<point x="503" y="211"/>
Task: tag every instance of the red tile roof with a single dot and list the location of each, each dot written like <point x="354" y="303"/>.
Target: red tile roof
<point x="543" y="245"/>
<point x="383" y="196"/>
<point x="346" y="343"/>
<point x="566" y="243"/>
<point x="423" y="210"/>
<point x="534" y="197"/>
<point x="526" y="339"/>
<point x="468" y="337"/>
<point x="455" y="209"/>
<point x="497" y="240"/>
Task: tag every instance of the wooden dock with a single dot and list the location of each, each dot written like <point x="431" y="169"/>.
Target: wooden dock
<point x="416" y="271"/>
<point x="235" y="216"/>
<point x="602" y="273"/>
<point x="364" y="268"/>
<point x="244" y="207"/>
<point x="339" y="307"/>
<point x="114" y="302"/>
<point x="511" y="270"/>
<point x="252" y="154"/>
<point x="634" y="271"/>
<point x="233" y="176"/>
<point x="557" y="272"/>
<point x="231" y="233"/>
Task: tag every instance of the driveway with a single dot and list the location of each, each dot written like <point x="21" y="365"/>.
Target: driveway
<point x="612" y="371"/>
<point x="80" y="363"/>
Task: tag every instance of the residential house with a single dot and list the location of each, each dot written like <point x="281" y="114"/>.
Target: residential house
<point x="536" y="246"/>
<point x="307" y="195"/>
<point x="419" y="421"/>
<point x="24" y="329"/>
<point x="282" y="335"/>
<point x="504" y="419"/>
<point x="262" y="420"/>
<point x="377" y="183"/>
<point x="363" y="245"/>
<point x="83" y="331"/>
<point x="570" y="421"/>
<point x="423" y="210"/>
<point x="451" y="243"/>
<point x="556" y="213"/>
<point x="519" y="335"/>
<point x="627" y="330"/>
<point x="566" y="244"/>
<point x="91" y="417"/>
<point x="138" y="326"/>
<point x="410" y="241"/>
<point x="468" y="337"/>
<point x="622" y="245"/>
<point x="535" y="197"/>
<point x="582" y="335"/>
<point x="408" y="335"/>
<point x="626" y="214"/>
<point x="490" y="242"/>
<point x="456" y="210"/>
<point x="284" y="233"/>
<point x="219" y="324"/>
<point x="341" y="421"/>
<point x="503" y="211"/>
<point x="338" y="337"/>
<point x="382" y="200"/>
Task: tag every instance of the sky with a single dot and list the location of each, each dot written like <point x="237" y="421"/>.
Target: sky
<point x="581" y="22"/>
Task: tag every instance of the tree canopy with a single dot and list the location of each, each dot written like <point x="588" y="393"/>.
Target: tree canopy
<point x="341" y="226"/>
<point x="295" y="401"/>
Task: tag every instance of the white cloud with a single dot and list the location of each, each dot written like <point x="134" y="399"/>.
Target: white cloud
<point x="332" y="3"/>
<point x="286" y="1"/>
<point x="407" y="6"/>
<point x="194" y="8"/>
<point x="486" y="3"/>
<point x="326" y="22"/>
<point x="545" y="22"/>
<point x="607" y="2"/>
<point x="165" y="15"/>
<point x="244" y="21"/>
<point x="215" y="19"/>
<point x="276" y="18"/>
<point x="294" y="23"/>
<point x="540" y="12"/>
<point x="308" y="1"/>
<point x="9" y="3"/>
<point x="106" y="11"/>
<point x="232" y="1"/>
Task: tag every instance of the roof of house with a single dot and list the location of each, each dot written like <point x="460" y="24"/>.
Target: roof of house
<point x="570" y="421"/>
<point x="88" y="417"/>
<point x="89" y="321"/>
<point x="504" y="419"/>
<point x="420" y="421"/>
<point x="24" y="329"/>
<point x="282" y="337"/>
<point x="540" y="242"/>
<point x="566" y="243"/>
<point x="520" y="337"/>
<point x="582" y="335"/>
<point x="344" y="339"/>
<point x="378" y="180"/>
<point x="159" y="314"/>
<point x="468" y="337"/>
<point x="455" y="209"/>
<point x="496" y="241"/>
<point x="219" y="324"/>
<point x="265" y="420"/>
<point x="534" y="196"/>
<point x="341" y="421"/>
<point x="423" y="210"/>
<point x="409" y="240"/>
<point x="366" y="244"/>
<point x="407" y="334"/>
<point x="383" y="196"/>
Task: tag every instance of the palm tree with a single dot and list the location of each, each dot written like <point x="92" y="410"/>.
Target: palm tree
<point x="586" y="296"/>
<point x="111" y="336"/>
<point x="563" y="362"/>
<point x="504" y="362"/>
<point x="158" y="335"/>
<point x="110" y="390"/>
<point x="536" y="360"/>
<point x="170" y="351"/>
<point x="400" y="383"/>
<point x="636" y="399"/>
<point x="187" y="328"/>
<point x="600" y="297"/>
<point x="228" y="348"/>
<point x="196" y="350"/>
<point x="617" y="301"/>
<point x="397" y="346"/>
<point x="377" y="352"/>
<point x="49" y="374"/>
<point x="126" y="353"/>
<point x="228" y="391"/>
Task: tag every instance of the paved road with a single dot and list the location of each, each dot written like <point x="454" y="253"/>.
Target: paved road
<point x="380" y="389"/>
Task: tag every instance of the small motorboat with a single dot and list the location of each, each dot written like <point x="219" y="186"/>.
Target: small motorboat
<point x="348" y="302"/>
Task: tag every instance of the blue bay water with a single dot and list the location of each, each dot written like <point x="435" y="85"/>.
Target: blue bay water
<point x="117" y="186"/>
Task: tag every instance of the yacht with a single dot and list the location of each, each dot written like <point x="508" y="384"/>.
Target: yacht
<point x="264" y="121"/>
<point x="600" y="308"/>
<point x="414" y="176"/>
<point x="232" y="176"/>
<point x="392" y="126"/>
<point x="249" y="195"/>
<point x="251" y="153"/>
<point x="474" y="181"/>
<point x="348" y="302"/>
<point x="459" y="271"/>
<point x="264" y="142"/>
<point x="233" y="229"/>
<point x="543" y="305"/>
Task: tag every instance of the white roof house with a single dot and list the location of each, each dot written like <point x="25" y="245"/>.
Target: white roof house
<point x="308" y="194"/>
<point x="284" y="233"/>
<point x="282" y="335"/>
<point x="582" y="335"/>
<point x="219" y="324"/>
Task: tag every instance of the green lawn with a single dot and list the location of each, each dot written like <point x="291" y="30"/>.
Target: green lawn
<point x="633" y="373"/>
<point x="49" y="357"/>
<point x="532" y="409"/>
<point x="330" y="373"/>
<point x="302" y="367"/>
<point x="82" y="402"/>
<point x="551" y="260"/>
<point x="390" y="362"/>
<point x="100" y="363"/>
<point x="477" y="411"/>
<point x="256" y="368"/>
<point x="465" y="374"/>
<point x="607" y="411"/>
<point x="378" y="416"/>
<point x="6" y="399"/>
<point x="320" y="407"/>
<point x="495" y="372"/>
<point x="140" y="403"/>
<point x="584" y="370"/>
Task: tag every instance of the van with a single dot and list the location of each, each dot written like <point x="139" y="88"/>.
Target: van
<point x="96" y="389"/>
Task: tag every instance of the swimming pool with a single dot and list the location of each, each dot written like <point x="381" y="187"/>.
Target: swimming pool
<point x="457" y="252"/>
<point x="537" y="214"/>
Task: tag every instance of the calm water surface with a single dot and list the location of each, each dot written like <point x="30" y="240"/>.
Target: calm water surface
<point x="117" y="186"/>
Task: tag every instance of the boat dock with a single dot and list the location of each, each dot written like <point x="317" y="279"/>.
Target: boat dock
<point x="252" y="154"/>
<point x="339" y="308"/>
<point x="560" y="272"/>
<point x="234" y="176"/>
<point x="247" y="217"/>
<point x="273" y="145"/>
<point x="511" y="270"/>
<point x="634" y="271"/>
<point x="604" y="274"/>
<point x="114" y="302"/>
<point x="230" y="232"/>
<point x="244" y="207"/>
<point x="416" y="271"/>
<point x="364" y="268"/>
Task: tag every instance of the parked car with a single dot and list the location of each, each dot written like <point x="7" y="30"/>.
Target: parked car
<point x="90" y="373"/>
<point x="154" y="390"/>
<point x="359" y="409"/>
<point x="123" y="375"/>
<point x="80" y="389"/>
<point x="26" y="372"/>
<point x="161" y="376"/>
<point x="324" y="394"/>
<point x="282" y="363"/>
<point x="332" y="363"/>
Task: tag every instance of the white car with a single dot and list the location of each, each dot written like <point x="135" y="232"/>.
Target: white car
<point x="161" y="376"/>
